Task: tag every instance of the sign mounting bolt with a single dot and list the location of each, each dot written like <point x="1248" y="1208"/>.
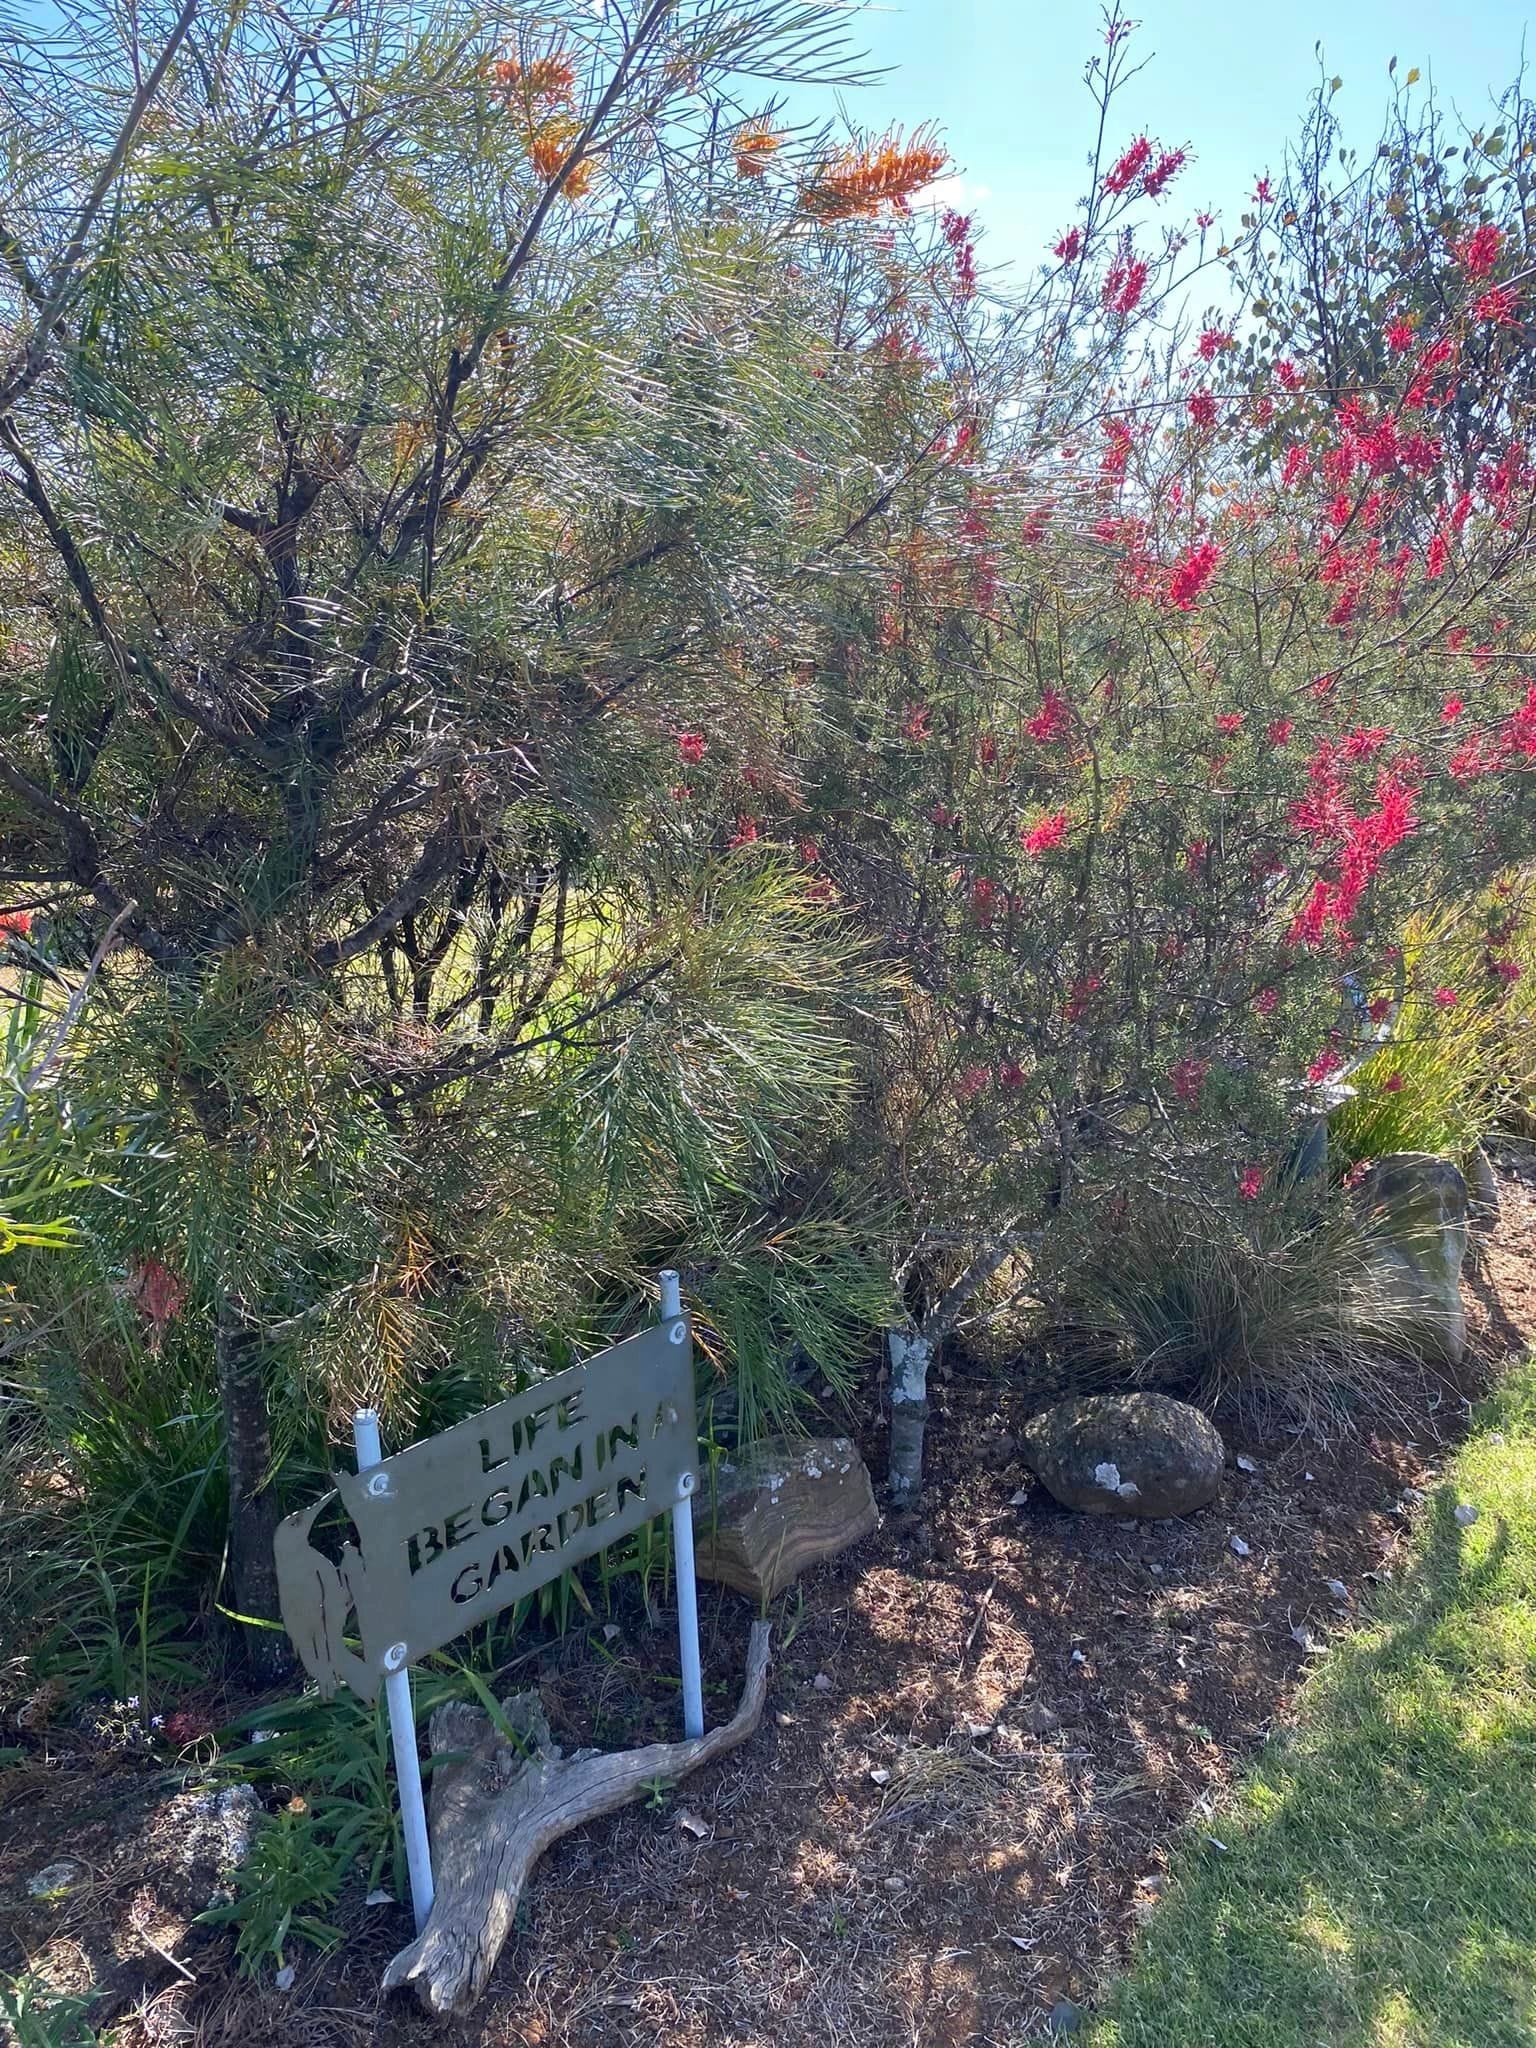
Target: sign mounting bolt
<point x="378" y="1484"/>
<point x="395" y="1656"/>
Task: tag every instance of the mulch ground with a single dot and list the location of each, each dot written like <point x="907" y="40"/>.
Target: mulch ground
<point x="984" y="1728"/>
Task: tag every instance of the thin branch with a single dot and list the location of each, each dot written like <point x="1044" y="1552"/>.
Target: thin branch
<point x="27" y="367"/>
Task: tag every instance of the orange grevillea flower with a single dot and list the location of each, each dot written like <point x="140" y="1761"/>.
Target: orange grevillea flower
<point x="861" y="181"/>
<point x="551" y="77"/>
<point x="753" y="149"/>
<point x="548" y="148"/>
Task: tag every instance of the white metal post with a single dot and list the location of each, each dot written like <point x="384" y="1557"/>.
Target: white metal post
<point x="682" y="1543"/>
<point x="402" y="1717"/>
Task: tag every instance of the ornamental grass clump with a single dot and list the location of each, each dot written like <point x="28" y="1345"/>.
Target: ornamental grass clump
<point x="1277" y="1311"/>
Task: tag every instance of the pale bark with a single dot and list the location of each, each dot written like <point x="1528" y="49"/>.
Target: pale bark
<point x="494" y="1815"/>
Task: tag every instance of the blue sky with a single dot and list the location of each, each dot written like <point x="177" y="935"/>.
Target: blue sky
<point x="1228" y="77"/>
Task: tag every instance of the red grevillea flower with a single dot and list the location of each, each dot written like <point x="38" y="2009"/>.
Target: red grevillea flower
<point x="1263" y="192"/>
<point x="942" y="816"/>
<point x="692" y="746"/>
<point x="984" y="895"/>
<point x="1288" y="374"/>
<point x="746" y="832"/>
<point x="1325" y="1064"/>
<point x="1045" y="836"/>
<point x="1279" y="730"/>
<point x="1436" y="556"/>
<point x="15" y="924"/>
<point x="1082" y="994"/>
<point x="1192" y="574"/>
<point x="1266" y="1001"/>
<point x="1446" y="999"/>
<point x="1392" y="1084"/>
<point x="1168" y="165"/>
<point x="1188" y="1077"/>
<point x="1124" y="283"/>
<point x="1499" y="307"/>
<point x="1380" y="1009"/>
<point x="1251" y="1186"/>
<point x="1364" y="741"/>
<point x="1507" y="971"/>
<point x="1518" y="734"/>
<point x="1213" y="341"/>
<point x="1479" y="251"/>
<point x="1010" y="1074"/>
<point x="1399" y="336"/>
<point x="972" y="1081"/>
<point x="914" y="724"/>
<point x="1070" y="247"/>
<point x="1229" y="721"/>
<point x="1051" y="720"/>
<point x="1202" y="409"/>
<point x="1451" y="710"/>
<point x="1127" y="168"/>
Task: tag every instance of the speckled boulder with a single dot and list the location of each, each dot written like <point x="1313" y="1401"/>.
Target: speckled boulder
<point x="1127" y="1454"/>
<point x="1414" y="1209"/>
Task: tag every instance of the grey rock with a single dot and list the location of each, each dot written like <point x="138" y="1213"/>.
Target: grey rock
<point x="1482" y="1193"/>
<point x="1414" y="1209"/>
<point x="53" y="1879"/>
<point x="1165" y="1456"/>
<point x="1066" y="2018"/>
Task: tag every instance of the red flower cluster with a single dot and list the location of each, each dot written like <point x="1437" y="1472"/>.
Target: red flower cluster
<point x="1479" y="251"/>
<point x="1168" y="165"/>
<point x="1499" y="307"/>
<point x="1399" y="336"/>
<point x="1212" y="343"/>
<point x="1202" y="409"/>
<point x="1188" y="1077"/>
<point x="1251" y="1185"/>
<point x="1192" y="574"/>
<point x="1045" y="836"/>
<point x="1128" y="167"/>
<point x="1229" y="721"/>
<point x="1070" y="247"/>
<point x="1124" y="283"/>
<point x="692" y="746"/>
<point x="15" y="924"/>
<point x="745" y="834"/>
<point x="1051" y="720"/>
<point x="956" y="230"/>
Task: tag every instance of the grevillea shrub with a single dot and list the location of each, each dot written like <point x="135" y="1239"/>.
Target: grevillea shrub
<point x="1200" y="660"/>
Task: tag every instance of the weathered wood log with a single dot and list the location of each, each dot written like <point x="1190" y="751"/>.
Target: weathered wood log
<point x="496" y="1812"/>
<point x="782" y="1506"/>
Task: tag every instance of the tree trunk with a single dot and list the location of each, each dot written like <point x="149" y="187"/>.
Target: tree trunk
<point x="251" y="1587"/>
<point x="910" y="1356"/>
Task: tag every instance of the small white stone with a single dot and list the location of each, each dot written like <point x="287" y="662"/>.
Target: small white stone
<point x="380" y="1898"/>
<point x="1107" y="1476"/>
<point x="1237" y="1545"/>
<point x="1337" y="1590"/>
<point x="1245" y="1463"/>
<point x="880" y="1775"/>
<point x="821" y="1682"/>
<point x="284" y="1978"/>
<point x="1466" y="1514"/>
<point x="1017" y="1500"/>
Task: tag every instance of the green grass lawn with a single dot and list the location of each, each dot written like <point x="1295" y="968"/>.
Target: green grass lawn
<point x="1379" y="1885"/>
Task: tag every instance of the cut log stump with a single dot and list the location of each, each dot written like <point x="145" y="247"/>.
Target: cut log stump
<point x="781" y="1507"/>
<point x="496" y="1811"/>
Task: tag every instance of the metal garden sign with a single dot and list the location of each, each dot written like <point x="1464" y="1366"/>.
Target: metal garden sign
<point x="455" y="1528"/>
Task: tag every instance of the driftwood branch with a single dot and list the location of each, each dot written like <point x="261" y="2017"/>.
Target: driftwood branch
<point x="496" y="1812"/>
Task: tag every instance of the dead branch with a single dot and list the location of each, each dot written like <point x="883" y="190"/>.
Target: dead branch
<point x="494" y="1815"/>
